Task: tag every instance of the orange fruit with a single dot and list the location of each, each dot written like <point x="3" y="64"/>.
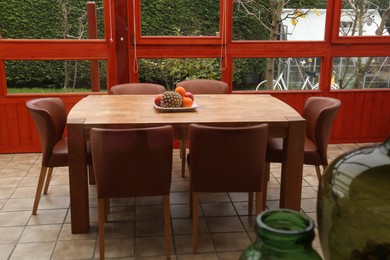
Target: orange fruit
<point x="187" y="102"/>
<point x="180" y="90"/>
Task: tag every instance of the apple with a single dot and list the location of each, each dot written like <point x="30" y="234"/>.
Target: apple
<point x="189" y="95"/>
<point x="157" y="100"/>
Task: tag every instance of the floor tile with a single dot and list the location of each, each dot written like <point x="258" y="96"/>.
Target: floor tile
<point x="19" y="218"/>
<point x="41" y="251"/>
<point x="74" y="249"/>
<point x="5" y="251"/>
<point x="135" y="227"/>
<point x="40" y="233"/>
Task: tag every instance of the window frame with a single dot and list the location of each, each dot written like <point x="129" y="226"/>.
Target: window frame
<point x="335" y="16"/>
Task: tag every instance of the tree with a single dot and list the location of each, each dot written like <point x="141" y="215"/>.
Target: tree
<point x="269" y="16"/>
<point x="361" y="15"/>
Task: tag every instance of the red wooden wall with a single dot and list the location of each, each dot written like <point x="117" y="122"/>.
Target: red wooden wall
<point x="364" y="117"/>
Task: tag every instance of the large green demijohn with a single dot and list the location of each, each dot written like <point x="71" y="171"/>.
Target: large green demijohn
<point x="353" y="208"/>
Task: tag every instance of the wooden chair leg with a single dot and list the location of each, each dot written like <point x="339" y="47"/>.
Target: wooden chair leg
<point x="267" y="170"/>
<point x="259" y="202"/>
<point x="318" y="170"/>
<point x="191" y="198"/>
<point x="48" y="179"/>
<point x="195" y="222"/>
<point x="101" y="220"/>
<point x="250" y="203"/>
<point x="183" y="156"/>
<point x="91" y="175"/>
<point x="38" y="193"/>
<point x="167" y="225"/>
<point x="264" y="195"/>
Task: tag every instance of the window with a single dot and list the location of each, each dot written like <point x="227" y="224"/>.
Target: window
<point x="180" y="18"/>
<point x="52" y="76"/>
<point x="47" y="19"/>
<point x="364" y="18"/>
<point x="288" y="73"/>
<point x="168" y="72"/>
<point x="256" y="20"/>
<point x="361" y="72"/>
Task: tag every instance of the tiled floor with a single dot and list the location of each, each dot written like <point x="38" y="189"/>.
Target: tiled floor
<point x="135" y="227"/>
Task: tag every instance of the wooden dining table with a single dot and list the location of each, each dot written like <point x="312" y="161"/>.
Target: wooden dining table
<point x="129" y="111"/>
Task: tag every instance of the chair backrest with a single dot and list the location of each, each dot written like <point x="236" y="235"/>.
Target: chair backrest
<point x="49" y="116"/>
<point x="204" y="86"/>
<point x="320" y="113"/>
<point x="137" y="89"/>
<point x="132" y="162"/>
<point x="225" y="159"/>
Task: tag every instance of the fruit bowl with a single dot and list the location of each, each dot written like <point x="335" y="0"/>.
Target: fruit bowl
<point x="177" y="109"/>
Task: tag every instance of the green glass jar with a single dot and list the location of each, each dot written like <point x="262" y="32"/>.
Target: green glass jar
<point x="282" y="234"/>
<point x="353" y="207"/>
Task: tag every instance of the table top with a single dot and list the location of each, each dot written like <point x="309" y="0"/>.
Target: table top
<point x="138" y="110"/>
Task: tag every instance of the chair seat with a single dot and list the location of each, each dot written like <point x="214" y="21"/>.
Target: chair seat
<point x="275" y="149"/>
<point x="59" y="156"/>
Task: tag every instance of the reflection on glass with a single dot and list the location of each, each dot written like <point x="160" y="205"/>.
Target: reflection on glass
<point x="180" y="18"/>
<point x="168" y="72"/>
<point x="285" y="74"/>
<point x="53" y="76"/>
<point x="365" y="18"/>
<point x="47" y="19"/>
<point x="361" y="72"/>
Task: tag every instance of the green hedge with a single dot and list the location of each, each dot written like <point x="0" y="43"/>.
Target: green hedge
<point x="44" y="19"/>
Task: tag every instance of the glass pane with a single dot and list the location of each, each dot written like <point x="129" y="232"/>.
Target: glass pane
<point x="365" y="18"/>
<point x="168" y="72"/>
<point x="53" y="76"/>
<point x="47" y="19"/>
<point x="180" y="18"/>
<point x="361" y="72"/>
<point x="253" y="20"/>
<point x="286" y="74"/>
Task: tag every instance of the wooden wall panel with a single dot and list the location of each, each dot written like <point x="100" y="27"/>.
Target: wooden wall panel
<point x="363" y="117"/>
<point x="3" y="126"/>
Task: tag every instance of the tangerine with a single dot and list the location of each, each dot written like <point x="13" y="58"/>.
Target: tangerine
<point x="181" y="90"/>
<point x="187" y="102"/>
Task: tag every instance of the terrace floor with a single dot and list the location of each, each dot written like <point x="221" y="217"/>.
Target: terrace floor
<point x="135" y="227"/>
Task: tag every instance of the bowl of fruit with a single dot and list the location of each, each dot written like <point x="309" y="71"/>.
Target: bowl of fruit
<point x="178" y="100"/>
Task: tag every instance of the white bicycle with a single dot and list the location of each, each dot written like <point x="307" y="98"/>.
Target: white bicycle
<point x="278" y="84"/>
<point x="333" y="85"/>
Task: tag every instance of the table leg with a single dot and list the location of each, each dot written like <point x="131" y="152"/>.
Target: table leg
<point x="292" y="165"/>
<point x="78" y="178"/>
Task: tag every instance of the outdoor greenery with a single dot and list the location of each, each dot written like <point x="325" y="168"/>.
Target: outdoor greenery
<point x="252" y="20"/>
<point x="48" y="19"/>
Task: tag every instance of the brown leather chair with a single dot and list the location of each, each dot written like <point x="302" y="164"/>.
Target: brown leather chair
<point x="199" y="86"/>
<point x="205" y="86"/>
<point x="319" y="113"/>
<point x="226" y="159"/>
<point x="131" y="163"/>
<point x="49" y="116"/>
<point x="137" y="89"/>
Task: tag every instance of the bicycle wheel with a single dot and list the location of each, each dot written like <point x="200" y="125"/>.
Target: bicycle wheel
<point x="334" y="87"/>
<point x="263" y="85"/>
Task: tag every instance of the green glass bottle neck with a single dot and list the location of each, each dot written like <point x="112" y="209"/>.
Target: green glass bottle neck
<point x="285" y="229"/>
